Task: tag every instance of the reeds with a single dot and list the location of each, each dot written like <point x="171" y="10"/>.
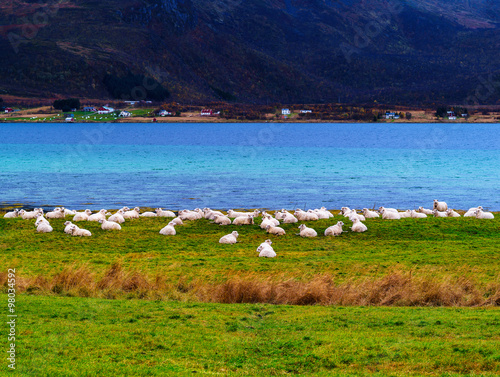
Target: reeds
<point x="397" y="288"/>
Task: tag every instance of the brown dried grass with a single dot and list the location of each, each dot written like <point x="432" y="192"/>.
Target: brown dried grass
<point x="398" y="288"/>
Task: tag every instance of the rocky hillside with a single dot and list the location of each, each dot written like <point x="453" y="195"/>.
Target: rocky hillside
<point x="392" y="51"/>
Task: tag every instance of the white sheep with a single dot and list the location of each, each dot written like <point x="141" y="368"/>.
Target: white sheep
<point x="276" y="230"/>
<point x="484" y="215"/>
<point x="265" y="250"/>
<point x="12" y="214"/>
<point x="425" y="210"/>
<point x="353" y="215"/>
<point x="380" y="209"/>
<point x="101" y="215"/>
<point x="117" y="217"/>
<point x="210" y="214"/>
<point x="389" y="215"/>
<point x="230" y="238"/>
<point x="148" y="214"/>
<point x="169" y="230"/>
<point x="437" y="213"/>
<point x="268" y="220"/>
<point x="358" y="226"/>
<point x="417" y="215"/>
<point x="40" y="219"/>
<point x="78" y="232"/>
<point x="280" y="215"/>
<point x="233" y="214"/>
<point x="67" y="227"/>
<point x="57" y="213"/>
<point x="161" y="213"/>
<point x="307" y="232"/>
<point x="68" y="212"/>
<point x="472" y="211"/>
<point x="222" y="220"/>
<point x="177" y="221"/>
<point x="322" y="213"/>
<point x="440" y="206"/>
<point x="187" y="215"/>
<point x="44" y="227"/>
<point x="25" y="215"/>
<point x="243" y="220"/>
<point x="370" y="214"/>
<point x="82" y="216"/>
<point x="334" y="230"/>
<point x="452" y="213"/>
<point x="132" y="214"/>
<point x="109" y="225"/>
<point x="289" y="219"/>
<point x="405" y="214"/>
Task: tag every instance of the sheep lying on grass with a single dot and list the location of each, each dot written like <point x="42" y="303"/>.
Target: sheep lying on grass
<point x="276" y="230"/>
<point x="169" y="230"/>
<point x="82" y="216"/>
<point x="440" y="206"/>
<point x="230" y="238"/>
<point x="307" y="232"/>
<point x="334" y="230"/>
<point x="109" y="225"/>
<point x="78" y="232"/>
<point x="265" y="250"/>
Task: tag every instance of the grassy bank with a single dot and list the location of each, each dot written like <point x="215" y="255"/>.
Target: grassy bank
<point x="61" y="336"/>
<point x="433" y="261"/>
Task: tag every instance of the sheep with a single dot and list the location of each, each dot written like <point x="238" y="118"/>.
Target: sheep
<point x="405" y="214"/>
<point x="452" y="213"/>
<point x="472" y="211"/>
<point x="280" y="215"/>
<point x="370" y="214"/>
<point x="169" y="230"/>
<point x="424" y="210"/>
<point x="322" y="213"/>
<point x="440" y="206"/>
<point x="358" y="226"/>
<point x="345" y="210"/>
<point x="77" y="232"/>
<point x="187" y="215"/>
<point x="210" y="214"/>
<point x="354" y="215"/>
<point x="305" y="216"/>
<point x="57" y="213"/>
<point x="12" y="214"/>
<point x="334" y="230"/>
<point x="483" y="215"/>
<point x="389" y="215"/>
<point x="67" y="227"/>
<point x="148" y="214"/>
<point x="177" y="221"/>
<point x="276" y="230"/>
<point x="82" y="216"/>
<point x="222" y="220"/>
<point x="132" y="214"/>
<point x="233" y="214"/>
<point x="109" y="225"/>
<point x="29" y="215"/>
<point x="117" y="217"/>
<point x="230" y="238"/>
<point x="266" y="243"/>
<point x="417" y="215"/>
<point x="40" y="219"/>
<point x="290" y="219"/>
<point x="265" y="250"/>
<point x="44" y="227"/>
<point x="161" y="213"/>
<point x="268" y="220"/>
<point x="243" y="220"/>
<point x="68" y="212"/>
<point x="437" y="213"/>
<point x="307" y="232"/>
<point x="101" y="215"/>
<point x="380" y="209"/>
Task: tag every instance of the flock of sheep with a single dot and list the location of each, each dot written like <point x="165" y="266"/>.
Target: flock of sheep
<point x="269" y="223"/>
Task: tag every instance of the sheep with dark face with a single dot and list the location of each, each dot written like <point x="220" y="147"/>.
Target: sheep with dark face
<point x="440" y="206"/>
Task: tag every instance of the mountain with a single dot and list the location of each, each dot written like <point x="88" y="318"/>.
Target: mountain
<point x="290" y="51"/>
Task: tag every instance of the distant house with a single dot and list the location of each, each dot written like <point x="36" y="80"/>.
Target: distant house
<point x="132" y="103"/>
<point x="451" y="115"/>
<point x="391" y="115"/>
<point x="207" y="113"/>
<point x="70" y="119"/>
<point x="105" y="110"/>
<point x="285" y="112"/>
<point x="125" y="114"/>
<point x="164" y="113"/>
<point x="9" y="110"/>
<point x="305" y="111"/>
<point x="90" y="108"/>
<point x="465" y="115"/>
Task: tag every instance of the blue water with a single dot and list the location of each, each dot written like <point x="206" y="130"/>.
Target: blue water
<point x="264" y="165"/>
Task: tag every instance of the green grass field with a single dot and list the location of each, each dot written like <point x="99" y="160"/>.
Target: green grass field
<point x="135" y="303"/>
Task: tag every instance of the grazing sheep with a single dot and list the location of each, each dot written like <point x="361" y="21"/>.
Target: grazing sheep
<point x="82" y="216"/>
<point x="417" y="215"/>
<point x="452" y="213"/>
<point x="148" y="214"/>
<point x="437" y="213"/>
<point x="484" y="215"/>
<point x="222" y="220"/>
<point x="358" y="226"/>
<point x="440" y="206"/>
<point x="389" y="215"/>
<point x="472" y="211"/>
<point x="78" y="232"/>
<point x="243" y="220"/>
<point x="12" y="214"/>
<point x="334" y="230"/>
<point x="275" y="230"/>
<point x="307" y="232"/>
<point x="230" y="238"/>
<point x="109" y="225"/>
<point x="44" y="227"/>
<point x="67" y="227"/>
<point x="370" y="214"/>
<point x="169" y="230"/>
<point x="132" y="214"/>
<point x="118" y="217"/>
<point x="161" y="213"/>
<point x="424" y="210"/>
<point x="101" y="215"/>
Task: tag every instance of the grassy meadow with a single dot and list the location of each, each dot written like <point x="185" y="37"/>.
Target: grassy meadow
<point x="408" y="297"/>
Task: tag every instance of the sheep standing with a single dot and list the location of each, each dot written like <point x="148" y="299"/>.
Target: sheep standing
<point x="440" y="206"/>
<point x="109" y="225"/>
<point x="229" y="238"/>
<point x="307" y="232"/>
<point x="334" y="230"/>
<point x="169" y="230"/>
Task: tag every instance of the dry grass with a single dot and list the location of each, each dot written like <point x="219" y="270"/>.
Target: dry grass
<point x="397" y="288"/>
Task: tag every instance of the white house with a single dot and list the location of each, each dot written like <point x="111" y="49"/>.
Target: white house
<point x="125" y="114"/>
<point x="389" y="115"/>
<point x="164" y="113"/>
<point x="105" y="110"/>
<point x="305" y="111"/>
<point x="285" y="112"/>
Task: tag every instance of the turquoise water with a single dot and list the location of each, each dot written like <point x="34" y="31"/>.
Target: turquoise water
<point x="250" y="165"/>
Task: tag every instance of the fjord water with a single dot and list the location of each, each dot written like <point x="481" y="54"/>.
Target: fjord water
<point x="265" y="165"/>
